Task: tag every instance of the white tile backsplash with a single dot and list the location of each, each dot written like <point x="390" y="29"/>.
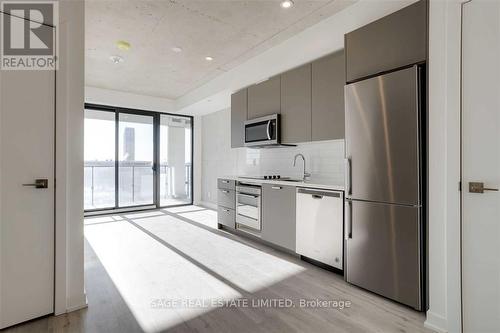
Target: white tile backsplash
<point x="324" y="159"/>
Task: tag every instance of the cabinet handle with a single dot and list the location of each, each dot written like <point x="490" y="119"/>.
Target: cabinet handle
<point x="315" y="196"/>
<point x="348" y="220"/>
<point x="348" y="175"/>
<point x="225" y="181"/>
<point x="226" y="210"/>
<point x="248" y="195"/>
<point x="224" y="191"/>
<point x="276" y="187"/>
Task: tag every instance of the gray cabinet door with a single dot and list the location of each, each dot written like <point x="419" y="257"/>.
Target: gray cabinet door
<point x="328" y="79"/>
<point x="278" y="215"/>
<point x="264" y="98"/>
<point x="296" y="105"/>
<point x="394" y="41"/>
<point x="238" y="117"/>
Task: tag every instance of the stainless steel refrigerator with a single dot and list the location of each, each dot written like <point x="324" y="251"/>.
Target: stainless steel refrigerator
<point x="384" y="192"/>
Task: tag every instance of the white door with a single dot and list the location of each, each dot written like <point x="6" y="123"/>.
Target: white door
<point x="27" y="110"/>
<point x="481" y="164"/>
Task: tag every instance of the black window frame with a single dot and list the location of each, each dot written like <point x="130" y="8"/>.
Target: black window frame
<point x="117" y="110"/>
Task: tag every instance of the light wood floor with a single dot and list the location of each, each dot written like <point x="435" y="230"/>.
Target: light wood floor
<point x="143" y="269"/>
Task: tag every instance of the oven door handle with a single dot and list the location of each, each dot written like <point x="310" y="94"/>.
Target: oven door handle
<point x="248" y="195"/>
<point x="268" y="130"/>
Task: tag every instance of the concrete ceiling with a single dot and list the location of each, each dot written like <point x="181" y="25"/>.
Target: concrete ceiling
<point x="230" y="31"/>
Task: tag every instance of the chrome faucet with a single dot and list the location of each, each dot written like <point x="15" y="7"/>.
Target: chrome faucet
<point x="305" y="174"/>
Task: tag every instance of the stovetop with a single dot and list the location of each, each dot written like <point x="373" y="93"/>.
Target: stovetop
<point x="266" y="177"/>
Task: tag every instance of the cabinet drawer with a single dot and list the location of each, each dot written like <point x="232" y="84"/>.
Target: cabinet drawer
<point x="227" y="184"/>
<point x="226" y="198"/>
<point x="226" y="216"/>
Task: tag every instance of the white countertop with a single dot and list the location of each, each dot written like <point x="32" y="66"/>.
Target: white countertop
<point x="310" y="183"/>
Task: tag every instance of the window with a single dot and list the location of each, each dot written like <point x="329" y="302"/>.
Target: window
<point x="175" y="160"/>
<point x="137" y="159"/>
<point x="99" y="159"/>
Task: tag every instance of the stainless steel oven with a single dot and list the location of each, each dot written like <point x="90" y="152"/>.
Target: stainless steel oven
<point x="262" y="131"/>
<point x="248" y="208"/>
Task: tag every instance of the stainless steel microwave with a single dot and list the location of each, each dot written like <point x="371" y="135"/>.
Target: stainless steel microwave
<point x="264" y="131"/>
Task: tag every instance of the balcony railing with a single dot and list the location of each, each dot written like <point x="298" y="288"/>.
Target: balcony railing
<point x="135" y="184"/>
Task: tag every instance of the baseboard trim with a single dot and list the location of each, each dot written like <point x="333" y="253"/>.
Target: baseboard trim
<point x="79" y="306"/>
<point x="436" y="322"/>
<point x="208" y="205"/>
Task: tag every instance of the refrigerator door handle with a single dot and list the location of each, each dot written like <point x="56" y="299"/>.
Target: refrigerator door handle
<point x="348" y="175"/>
<point x="348" y="220"/>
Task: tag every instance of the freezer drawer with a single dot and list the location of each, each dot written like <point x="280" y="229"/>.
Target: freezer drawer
<point x="383" y="138"/>
<point x="319" y="233"/>
<point x="383" y="250"/>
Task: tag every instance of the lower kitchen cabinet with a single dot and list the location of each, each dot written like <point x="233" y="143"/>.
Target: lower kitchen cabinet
<point x="226" y="217"/>
<point x="226" y="202"/>
<point x="278" y="215"/>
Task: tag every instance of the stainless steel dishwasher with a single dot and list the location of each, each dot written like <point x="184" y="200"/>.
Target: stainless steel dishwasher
<point x="320" y="225"/>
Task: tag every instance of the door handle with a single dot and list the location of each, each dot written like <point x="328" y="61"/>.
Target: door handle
<point x="478" y="187"/>
<point x="276" y="187"/>
<point x="39" y="183"/>
<point x="348" y="175"/>
<point x="268" y="130"/>
<point x="348" y="220"/>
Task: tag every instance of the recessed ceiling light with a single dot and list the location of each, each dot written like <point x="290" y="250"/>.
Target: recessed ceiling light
<point x="209" y="58"/>
<point x="286" y="3"/>
<point x="116" y="59"/>
<point x="123" y="45"/>
<point x="177" y="49"/>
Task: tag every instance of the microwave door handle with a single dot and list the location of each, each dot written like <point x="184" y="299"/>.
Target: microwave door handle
<point x="269" y="129"/>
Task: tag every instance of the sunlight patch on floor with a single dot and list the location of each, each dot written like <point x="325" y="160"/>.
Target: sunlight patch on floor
<point x="183" y="209"/>
<point x="244" y="266"/>
<point x="102" y="219"/>
<point x="205" y="217"/>
<point x="146" y="273"/>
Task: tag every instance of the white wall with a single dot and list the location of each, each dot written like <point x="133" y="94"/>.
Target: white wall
<point x="127" y="100"/>
<point x="444" y="158"/>
<point x="69" y="270"/>
<point x="325" y="159"/>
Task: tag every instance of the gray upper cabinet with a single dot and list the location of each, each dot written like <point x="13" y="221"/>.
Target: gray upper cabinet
<point x="328" y="80"/>
<point x="394" y="41"/>
<point x="296" y="105"/>
<point x="238" y="117"/>
<point x="278" y="215"/>
<point x="264" y="98"/>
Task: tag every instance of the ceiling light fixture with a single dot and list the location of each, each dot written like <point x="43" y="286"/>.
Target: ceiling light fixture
<point x="116" y="59"/>
<point x="123" y="45"/>
<point x="209" y="58"/>
<point x="177" y="49"/>
<point x="286" y="4"/>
